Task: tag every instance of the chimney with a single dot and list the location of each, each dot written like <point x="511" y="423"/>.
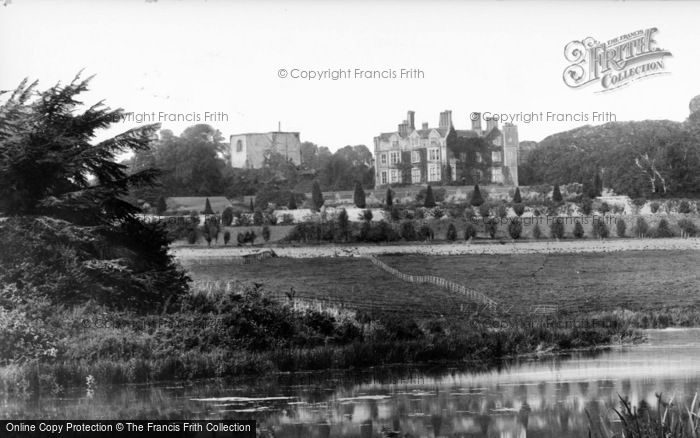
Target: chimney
<point x="491" y="122"/>
<point x="476" y="122"/>
<point x="425" y="125"/>
<point x="411" y="120"/>
<point x="446" y="119"/>
<point x="403" y="128"/>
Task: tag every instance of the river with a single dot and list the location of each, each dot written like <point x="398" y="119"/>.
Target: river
<point x="534" y="397"/>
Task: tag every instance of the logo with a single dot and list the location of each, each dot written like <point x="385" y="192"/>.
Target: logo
<point x="615" y="63"/>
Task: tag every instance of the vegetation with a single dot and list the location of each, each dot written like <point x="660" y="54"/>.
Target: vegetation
<point x="476" y="199"/>
<point x="621" y="228"/>
<point x="359" y="196"/>
<point x="316" y="196"/>
<point x="578" y="230"/>
<point x="429" y="198"/>
<point x="556" y="194"/>
<point x="451" y="233"/>
<point x="515" y="228"/>
<point x="600" y="229"/>
<point x="517" y="199"/>
<point x="556" y="228"/>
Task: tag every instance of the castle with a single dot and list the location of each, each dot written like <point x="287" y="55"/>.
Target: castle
<point x="444" y="154"/>
<point x="250" y="150"/>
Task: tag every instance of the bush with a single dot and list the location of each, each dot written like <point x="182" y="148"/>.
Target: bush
<point x="476" y="198"/>
<point x="266" y="233"/>
<point x="502" y="211"/>
<point x="536" y="231"/>
<point x="359" y="196"/>
<point x="586" y="206"/>
<point x="287" y="219"/>
<point x="654" y="207"/>
<point x="600" y="229"/>
<point x="556" y="194"/>
<point x="366" y="215"/>
<point x="518" y="209"/>
<point x="469" y="214"/>
<point x="243" y="221"/>
<point x="429" y="198"/>
<point x="517" y="199"/>
<point x="491" y="227"/>
<point x="556" y="229"/>
<point x="292" y="204"/>
<point x="425" y="232"/>
<point x="257" y="218"/>
<point x="484" y="210"/>
<point x="389" y="198"/>
<point x="469" y="231"/>
<point x="451" y="233"/>
<point x="688" y="228"/>
<point x="663" y="229"/>
<point x="604" y="208"/>
<point x="515" y="228"/>
<point x="408" y="231"/>
<point x="227" y="216"/>
<point x="620" y="227"/>
<point x="227" y="237"/>
<point x="684" y="207"/>
<point x="192" y="237"/>
<point x="578" y="230"/>
<point x="316" y="196"/>
<point x="438" y="212"/>
<point x="641" y="227"/>
<point x="395" y="213"/>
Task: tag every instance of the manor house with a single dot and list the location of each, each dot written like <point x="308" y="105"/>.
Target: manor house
<point x="431" y="155"/>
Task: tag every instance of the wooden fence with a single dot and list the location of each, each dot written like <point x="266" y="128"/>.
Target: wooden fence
<point x="473" y="295"/>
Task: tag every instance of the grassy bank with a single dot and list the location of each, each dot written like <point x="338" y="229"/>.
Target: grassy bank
<point x="233" y="334"/>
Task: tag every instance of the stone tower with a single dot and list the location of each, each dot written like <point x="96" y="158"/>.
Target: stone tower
<point x="510" y="150"/>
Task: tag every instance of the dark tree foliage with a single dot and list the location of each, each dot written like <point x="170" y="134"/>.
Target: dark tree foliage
<point x="469" y="231"/>
<point x="265" y="233"/>
<point x="473" y="153"/>
<point x="556" y="194"/>
<point x="451" y="233"/>
<point x="556" y="228"/>
<point x="71" y="235"/>
<point x="578" y="230"/>
<point x="389" y="198"/>
<point x="476" y="199"/>
<point x="227" y="216"/>
<point x="359" y="196"/>
<point x="344" y="224"/>
<point x="515" y="228"/>
<point x="227" y="237"/>
<point x="517" y="199"/>
<point x="292" y="205"/>
<point x="429" y="198"/>
<point x="161" y="206"/>
<point x="518" y="209"/>
<point x="207" y="208"/>
<point x="316" y="196"/>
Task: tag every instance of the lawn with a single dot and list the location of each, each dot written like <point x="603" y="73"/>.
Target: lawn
<point x="353" y="282"/>
<point x="635" y="280"/>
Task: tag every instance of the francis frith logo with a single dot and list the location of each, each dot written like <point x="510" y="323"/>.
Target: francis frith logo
<point x="614" y="63"/>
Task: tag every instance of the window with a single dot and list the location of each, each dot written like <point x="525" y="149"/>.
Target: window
<point x="496" y="175"/>
<point x="239" y="146"/>
<point x="415" y="156"/>
<point x="495" y="157"/>
<point x="395" y="157"/>
<point x="394" y="176"/>
<point x="395" y="144"/>
<point x="433" y="172"/>
<point x="383" y="176"/>
<point x="415" y="175"/>
<point x="434" y="154"/>
<point x="383" y="159"/>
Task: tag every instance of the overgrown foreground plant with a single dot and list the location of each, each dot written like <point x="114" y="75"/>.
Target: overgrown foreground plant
<point x="668" y="420"/>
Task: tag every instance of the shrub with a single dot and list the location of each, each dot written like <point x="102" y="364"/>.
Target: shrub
<point x="641" y="228"/>
<point x="207" y="237"/>
<point x="270" y="219"/>
<point x="491" y="227"/>
<point x="684" y="207"/>
<point x="359" y="196"/>
<point x="518" y="209"/>
<point x="366" y="215"/>
<point x="517" y="199"/>
<point x="469" y="214"/>
<point x="536" y="232"/>
<point x="227" y="216"/>
<point x="469" y="231"/>
<point x="556" y="229"/>
<point x="515" y="228"/>
<point x="266" y="233"/>
<point x="429" y="198"/>
<point x="536" y="212"/>
<point x="161" y="206"/>
<point x="688" y="228"/>
<point x="227" y="237"/>
<point x="663" y="229"/>
<point x="600" y="229"/>
<point x="395" y="213"/>
<point x="257" y="218"/>
<point x="578" y="230"/>
<point x="343" y="224"/>
<point x="484" y="210"/>
<point x="389" y="199"/>
<point x="244" y="220"/>
<point x="425" y="232"/>
<point x="476" y="199"/>
<point x="287" y="219"/>
<point x="586" y="206"/>
<point x="620" y="227"/>
<point x="292" y="205"/>
<point x="207" y="208"/>
<point x="556" y="194"/>
<point x="502" y="211"/>
<point x="316" y="196"/>
<point x="451" y="232"/>
<point x="654" y="207"/>
<point x="604" y="208"/>
<point x="408" y="231"/>
<point x="438" y="212"/>
<point x="192" y="237"/>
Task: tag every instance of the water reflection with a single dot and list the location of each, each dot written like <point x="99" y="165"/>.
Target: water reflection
<point x="523" y="398"/>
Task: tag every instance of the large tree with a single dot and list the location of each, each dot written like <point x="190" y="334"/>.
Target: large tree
<point x="71" y="234"/>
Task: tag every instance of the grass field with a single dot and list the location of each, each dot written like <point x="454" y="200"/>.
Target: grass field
<point x="635" y="280"/>
<point x="353" y="282"/>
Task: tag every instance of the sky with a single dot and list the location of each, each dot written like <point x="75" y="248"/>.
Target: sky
<point x="192" y="57"/>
